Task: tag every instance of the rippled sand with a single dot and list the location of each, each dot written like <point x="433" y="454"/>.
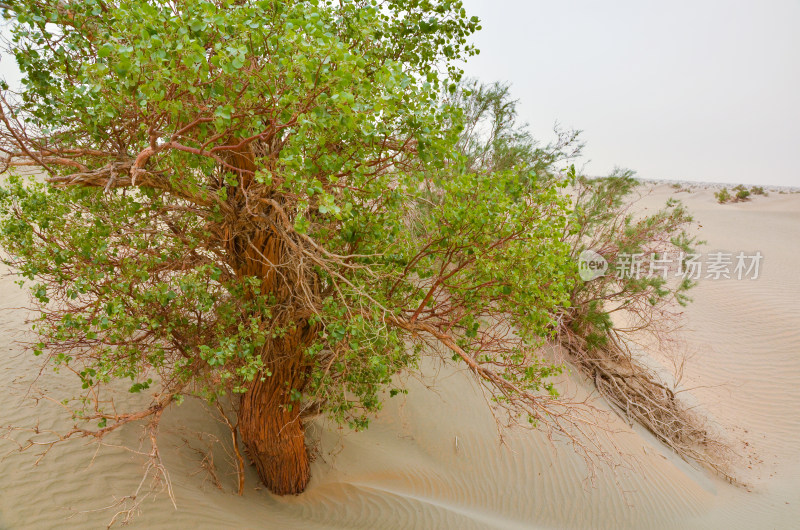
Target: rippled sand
<point x="434" y="459"/>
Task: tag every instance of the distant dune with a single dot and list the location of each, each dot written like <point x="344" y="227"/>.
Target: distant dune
<point x="433" y="459"/>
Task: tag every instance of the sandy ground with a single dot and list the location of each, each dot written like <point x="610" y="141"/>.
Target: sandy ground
<point x="433" y="458"/>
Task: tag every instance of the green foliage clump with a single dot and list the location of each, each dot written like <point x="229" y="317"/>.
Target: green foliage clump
<point x="742" y="193"/>
<point x="723" y="196"/>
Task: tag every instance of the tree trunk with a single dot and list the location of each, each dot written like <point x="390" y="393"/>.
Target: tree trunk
<point x="269" y="422"/>
<point x="273" y="434"/>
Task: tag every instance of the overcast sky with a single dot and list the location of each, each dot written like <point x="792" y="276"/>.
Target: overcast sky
<point x="705" y="90"/>
<point x="693" y="90"/>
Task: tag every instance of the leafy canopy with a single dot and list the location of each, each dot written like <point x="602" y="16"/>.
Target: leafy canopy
<point x="179" y="136"/>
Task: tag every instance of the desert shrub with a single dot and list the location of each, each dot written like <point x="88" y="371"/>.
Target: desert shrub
<point x="741" y="193"/>
<point x="723" y="196"/>
<point x="603" y="220"/>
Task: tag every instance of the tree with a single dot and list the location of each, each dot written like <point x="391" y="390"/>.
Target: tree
<point x="636" y="302"/>
<point x="492" y="140"/>
<point x="607" y="314"/>
<point x="261" y="201"/>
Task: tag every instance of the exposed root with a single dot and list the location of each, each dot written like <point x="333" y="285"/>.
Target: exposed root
<point x="239" y="459"/>
<point x="206" y="455"/>
<point x="639" y="394"/>
<point x="155" y="478"/>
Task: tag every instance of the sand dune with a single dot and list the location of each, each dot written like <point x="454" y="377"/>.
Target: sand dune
<point x="434" y="460"/>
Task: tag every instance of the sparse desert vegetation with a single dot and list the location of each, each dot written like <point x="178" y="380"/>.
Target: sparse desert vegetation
<point x="738" y="193"/>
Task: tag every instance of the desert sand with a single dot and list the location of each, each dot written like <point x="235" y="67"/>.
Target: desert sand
<point x="433" y="458"/>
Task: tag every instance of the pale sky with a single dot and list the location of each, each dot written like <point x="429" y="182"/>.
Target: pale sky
<point x="693" y="90"/>
<point x="705" y="90"/>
